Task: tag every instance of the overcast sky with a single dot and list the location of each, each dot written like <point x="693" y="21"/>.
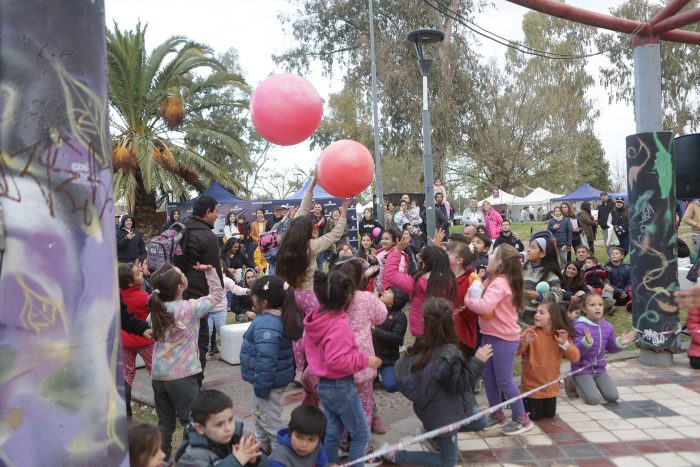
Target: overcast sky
<point x="252" y="28"/>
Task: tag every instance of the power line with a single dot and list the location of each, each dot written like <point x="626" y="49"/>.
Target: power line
<point x="475" y="28"/>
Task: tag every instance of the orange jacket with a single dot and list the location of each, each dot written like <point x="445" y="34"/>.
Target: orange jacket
<point x="254" y="231"/>
<point x="541" y="363"/>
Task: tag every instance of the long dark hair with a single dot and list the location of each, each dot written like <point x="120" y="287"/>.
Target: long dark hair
<point x="550" y="262"/>
<point x="560" y="318"/>
<point x="293" y="253"/>
<point x="571" y="283"/>
<point x="361" y="252"/>
<point x="351" y="268"/>
<point x="439" y="331"/>
<point x="228" y="218"/>
<point x="442" y="282"/>
<point x="586" y="206"/>
<point x="334" y="290"/>
<point x="271" y="289"/>
<point x="165" y="282"/>
<point x="511" y="268"/>
<point x="227" y="246"/>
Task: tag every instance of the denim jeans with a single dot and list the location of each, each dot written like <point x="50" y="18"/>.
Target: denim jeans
<point x="446" y="457"/>
<point x="343" y="410"/>
<point x="216" y="320"/>
<point x="173" y="400"/>
<point x="476" y="425"/>
<point x="388" y="378"/>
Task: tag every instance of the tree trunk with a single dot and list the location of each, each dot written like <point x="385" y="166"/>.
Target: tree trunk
<point x="148" y="220"/>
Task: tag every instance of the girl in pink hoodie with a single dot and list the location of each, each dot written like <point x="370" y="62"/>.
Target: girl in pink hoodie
<point x="334" y="358"/>
<point x="434" y="278"/>
<point x="497" y="307"/>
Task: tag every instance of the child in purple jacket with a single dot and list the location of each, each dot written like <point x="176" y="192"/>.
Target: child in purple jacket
<point x="594" y="337"/>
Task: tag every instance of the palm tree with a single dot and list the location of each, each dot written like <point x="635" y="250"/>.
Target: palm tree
<point x="151" y="111"/>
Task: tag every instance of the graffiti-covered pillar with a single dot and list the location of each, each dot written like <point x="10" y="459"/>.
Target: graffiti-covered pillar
<point x="653" y="259"/>
<point x="60" y="401"/>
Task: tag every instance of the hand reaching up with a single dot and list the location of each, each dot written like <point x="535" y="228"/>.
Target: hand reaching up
<point x="628" y="338"/>
<point x="439" y="237"/>
<point x="562" y="337"/>
<point x="202" y="267"/>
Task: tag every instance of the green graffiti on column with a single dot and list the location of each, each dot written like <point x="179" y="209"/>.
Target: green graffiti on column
<point x="663" y="167"/>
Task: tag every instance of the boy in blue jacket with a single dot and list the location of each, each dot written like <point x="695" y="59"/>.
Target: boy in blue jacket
<point x="619" y="278"/>
<point x="300" y="444"/>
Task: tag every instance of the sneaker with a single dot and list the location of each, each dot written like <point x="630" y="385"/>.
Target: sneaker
<point x="609" y="303"/>
<point x="478" y="386"/>
<point x="298" y="378"/>
<point x="378" y="425"/>
<point x="495" y="422"/>
<point x="517" y="426"/>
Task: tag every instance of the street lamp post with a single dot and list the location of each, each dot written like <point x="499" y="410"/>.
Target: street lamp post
<point x="420" y="38"/>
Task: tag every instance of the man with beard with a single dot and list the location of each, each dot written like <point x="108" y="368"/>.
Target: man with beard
<point x="509" y="237"/>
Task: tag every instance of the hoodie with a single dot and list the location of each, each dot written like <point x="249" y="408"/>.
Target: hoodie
<point x="284" y="455"/>
<point x="129" y="250"/>
<point x="330" y="345"/>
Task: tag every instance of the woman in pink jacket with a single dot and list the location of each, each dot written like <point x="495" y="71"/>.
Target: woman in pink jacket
<point x="434" y="278"/>
<point x="492" y="221"/>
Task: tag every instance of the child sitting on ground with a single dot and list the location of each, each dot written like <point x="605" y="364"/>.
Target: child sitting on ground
<point x="582" y="252"/>
<point x="213" y="437"/>
<point x="595" y="277"/>
<point x="300" y="444"/>
<point x="388" y="336"/>
<point x="594" y="338"/>
<point x="619" y="278"/>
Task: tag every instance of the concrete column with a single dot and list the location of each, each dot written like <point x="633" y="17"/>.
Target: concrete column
<point x="61" y="389"/>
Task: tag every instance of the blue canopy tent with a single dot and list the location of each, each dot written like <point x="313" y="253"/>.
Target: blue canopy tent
<point x="329" y="202"/>
<point x="228" y="203"/>
<point x="583" y="193"/>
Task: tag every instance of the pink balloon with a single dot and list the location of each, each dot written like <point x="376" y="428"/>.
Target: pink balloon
<point x="285" y="109"/>
<point x="376" y="231"/>
<point x="345" y="168"/>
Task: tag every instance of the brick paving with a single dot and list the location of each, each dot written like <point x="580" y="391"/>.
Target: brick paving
<point x="655" y="423"/>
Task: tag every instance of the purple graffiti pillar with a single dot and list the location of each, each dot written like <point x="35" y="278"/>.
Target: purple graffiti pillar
<point x="60" y="401"/>
<point x="652" y="240"/>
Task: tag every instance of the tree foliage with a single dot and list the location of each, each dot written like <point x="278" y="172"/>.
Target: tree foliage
<point x="154" y="101"/>
<point x="680" y="68"/>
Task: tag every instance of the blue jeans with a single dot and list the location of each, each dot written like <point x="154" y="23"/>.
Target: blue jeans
<point x="388" y="378"/>
<point x="216" y="320"/>
<point x="476" y="425"/>
<point x="446" y="457"/>
<point x="343" y="410"/>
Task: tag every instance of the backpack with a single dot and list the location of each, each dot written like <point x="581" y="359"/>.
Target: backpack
<point x="163" y="248"/>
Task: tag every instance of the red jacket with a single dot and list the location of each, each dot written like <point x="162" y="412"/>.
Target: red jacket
<point x="465" y="320"/>
<point x="693" y="324"/>
<point x="137" y="304"/>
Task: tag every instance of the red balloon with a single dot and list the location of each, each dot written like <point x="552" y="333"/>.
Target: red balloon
<point x="345" y="168"/>
<point x="285" y="109"/>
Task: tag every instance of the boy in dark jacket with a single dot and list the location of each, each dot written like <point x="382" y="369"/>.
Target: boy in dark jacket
<point x="388" y="336"/>
<point x="619" y="277"/>
<point x="300" y="444"/>
<point x="214" y="438"/>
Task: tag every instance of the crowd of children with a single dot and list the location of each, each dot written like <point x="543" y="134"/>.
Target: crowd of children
<point x="474" y="308"/>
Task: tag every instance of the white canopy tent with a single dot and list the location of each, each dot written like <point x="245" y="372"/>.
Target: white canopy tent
<point x="506" y="198"/>
<point x="540" y="196"/>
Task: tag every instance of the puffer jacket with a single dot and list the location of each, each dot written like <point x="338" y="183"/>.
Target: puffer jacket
<point x="693" y="324"/>
<point x="267" y="359"/>
<point x="620" y="276"/>
<point x="564" y="234"/>
<point x="200" y="246"/>
<point x="604" y="340"/>
<point x="442" y="391"/>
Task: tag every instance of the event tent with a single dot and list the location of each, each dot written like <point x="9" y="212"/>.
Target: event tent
<point x="583" y="193"/>
<point x="540" y="196"/>
<point x="221" y="194"/>
<point x="505" y="198"/>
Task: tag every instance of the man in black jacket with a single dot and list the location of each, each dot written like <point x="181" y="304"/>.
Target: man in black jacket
<point x="200" y="245"/>
<point x="509" y="237"/>
<point x="604" y="209"/>
<point x="441" y="216"/>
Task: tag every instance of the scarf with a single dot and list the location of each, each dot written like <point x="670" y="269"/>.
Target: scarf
<point x="559" y="219"/>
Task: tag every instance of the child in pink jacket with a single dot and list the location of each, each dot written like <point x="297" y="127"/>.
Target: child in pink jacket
<point x="433" y="279"/>
<point x="334" y="358"/>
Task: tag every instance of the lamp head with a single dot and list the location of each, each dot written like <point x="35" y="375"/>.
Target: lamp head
<point x="421" y="38"/>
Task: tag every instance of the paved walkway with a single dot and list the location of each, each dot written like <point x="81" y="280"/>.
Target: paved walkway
<point x="656" y="422"/>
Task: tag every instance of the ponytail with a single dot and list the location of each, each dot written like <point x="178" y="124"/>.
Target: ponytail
<point x="334" y="290"/>
<point x="279" y="295"/>
<point x="165" y="282"/>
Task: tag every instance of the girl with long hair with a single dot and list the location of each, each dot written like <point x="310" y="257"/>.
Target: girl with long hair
<point x="175" y="324"/>
<point x="568" y="211"/>
<point x="267" y="359"/>
<point x="542" y="265"/>
<point x="296" y="259"/>
<point x="234" y="257"/>
<point x="434" y="278"/>
<point x="334" y="358"/>
<point x="498" y="308"/>
<point x="572" y="285"/>
<point x="562" y="231"/>
<point x="368" y="223"/>
<point x="388" y="245"/>
<point x="435" y="376"/>
<point x="543" y="346"/>
<point x="231" y="226"/>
